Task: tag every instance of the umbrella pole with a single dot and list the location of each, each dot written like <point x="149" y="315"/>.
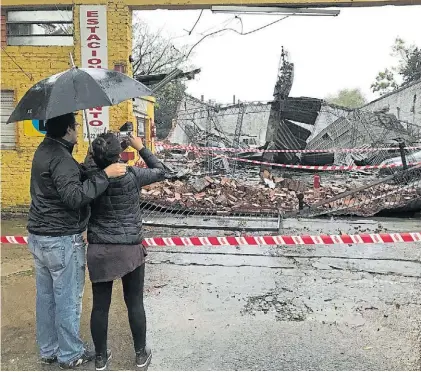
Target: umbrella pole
<point x="84" y="111"/>
<point x="87" y="128"/>
<point x="71" y="60"/>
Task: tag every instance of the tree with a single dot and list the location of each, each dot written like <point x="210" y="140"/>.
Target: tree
<point x="407" y="70"/>
<point x="153" y="53"/>
<point x="351" y="98"/>
<point x="168" y="100"/>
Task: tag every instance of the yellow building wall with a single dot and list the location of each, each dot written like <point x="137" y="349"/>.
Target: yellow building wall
<point x="150" y="112"/>
<point x="40" y="62"/>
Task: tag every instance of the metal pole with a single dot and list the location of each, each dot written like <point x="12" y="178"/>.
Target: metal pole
<point x="87" y="128"/>
<point x="403" y="157"/>
<point x="71" y="60"/>
<point x="84" y="111"/>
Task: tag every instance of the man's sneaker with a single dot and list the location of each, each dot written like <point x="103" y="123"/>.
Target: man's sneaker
<point x="101" y="363"/>
<point x="86" y="357"/>
<point x="143" y="358"/>
<point x="49" y="360"/>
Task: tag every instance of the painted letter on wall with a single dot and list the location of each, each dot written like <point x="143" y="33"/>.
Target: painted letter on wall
<point x="94" y="50"/>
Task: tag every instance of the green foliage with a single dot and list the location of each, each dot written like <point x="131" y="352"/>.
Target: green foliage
<point x="407" y="69"/>
<point x="351" y="98"/>
<point x="168" y="99"/>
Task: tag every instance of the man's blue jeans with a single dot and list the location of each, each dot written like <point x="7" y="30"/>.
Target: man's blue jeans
<point x="60" y="279"/>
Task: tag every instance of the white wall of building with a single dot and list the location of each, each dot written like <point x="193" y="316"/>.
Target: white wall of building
<point x="404" y="103"/>
<point x="254" y="123"/>
<point x="195" y="112"/>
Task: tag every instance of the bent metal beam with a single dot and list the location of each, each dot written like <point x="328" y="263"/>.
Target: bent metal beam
<point x="198" y="4"/>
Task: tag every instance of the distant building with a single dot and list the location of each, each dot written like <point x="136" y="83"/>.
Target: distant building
<point x="195" y="120"/>
<point x="404" y="103"/>
<point x="389" y="119"/>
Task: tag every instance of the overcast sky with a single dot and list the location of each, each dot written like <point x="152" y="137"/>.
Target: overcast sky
<point x="329" y="53"/>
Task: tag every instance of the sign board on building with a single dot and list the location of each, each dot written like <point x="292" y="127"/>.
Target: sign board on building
<point x="94" y="52"/>
<point x="34" y="128"/>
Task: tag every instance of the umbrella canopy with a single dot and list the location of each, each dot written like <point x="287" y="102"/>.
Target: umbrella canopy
<point x="76" y="89"/>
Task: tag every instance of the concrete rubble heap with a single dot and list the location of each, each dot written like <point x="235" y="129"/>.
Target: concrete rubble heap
<point x="224" y="196"/>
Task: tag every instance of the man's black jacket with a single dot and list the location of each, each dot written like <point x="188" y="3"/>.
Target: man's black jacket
<point x="60" y="200"/>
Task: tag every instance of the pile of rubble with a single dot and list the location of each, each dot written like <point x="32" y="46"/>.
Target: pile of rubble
<point x="368" y="202"/>
<point x="225" y="195"/>
<point x="221" y="195"/>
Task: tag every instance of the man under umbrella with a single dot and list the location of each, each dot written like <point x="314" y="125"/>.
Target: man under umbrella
<point x="58" y="216"/>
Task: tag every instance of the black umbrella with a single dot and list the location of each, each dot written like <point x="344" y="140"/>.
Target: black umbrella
<point x="76" y="89"/>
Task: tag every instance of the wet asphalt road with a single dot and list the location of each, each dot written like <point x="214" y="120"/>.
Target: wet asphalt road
<point x="252" y="308"/>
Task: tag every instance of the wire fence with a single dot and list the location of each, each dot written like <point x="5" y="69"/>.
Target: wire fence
<point x="248" y="202"/>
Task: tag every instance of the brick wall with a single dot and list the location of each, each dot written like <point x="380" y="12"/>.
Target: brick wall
<point x="16" y="164"/>
<point x="3" y="28"/>
<point x="40" y="62"/>
<point x="119" y="19"/>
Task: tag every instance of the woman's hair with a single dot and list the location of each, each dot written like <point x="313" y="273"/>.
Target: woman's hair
<point x="106" y="149"/>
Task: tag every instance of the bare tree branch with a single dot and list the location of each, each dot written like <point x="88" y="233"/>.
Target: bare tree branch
<point x="160" y="57"/>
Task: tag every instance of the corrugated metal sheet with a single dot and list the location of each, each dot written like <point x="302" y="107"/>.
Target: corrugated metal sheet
<point x="360" y="129"/>
<point x="284" y="133"/>
<point x="284" y="138"/>
<point x="300" y="109"/>
<point x="300" y="133"/>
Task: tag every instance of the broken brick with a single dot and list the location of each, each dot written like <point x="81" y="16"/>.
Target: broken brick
<point x="199" y="184"/>
<point x="231" y="197"/>
<point x="167" y="191"/>
<point x="225" y="195"/>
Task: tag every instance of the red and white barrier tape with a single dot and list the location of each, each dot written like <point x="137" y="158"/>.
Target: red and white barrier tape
<point x="317" y="167"/>
<point x="368" y="149"/>
<point x="385" y="238"/>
